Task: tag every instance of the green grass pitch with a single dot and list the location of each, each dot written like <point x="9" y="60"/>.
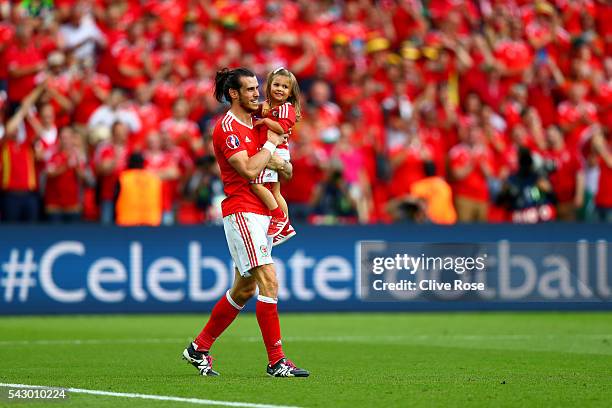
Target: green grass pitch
<point x="356" y="360"/>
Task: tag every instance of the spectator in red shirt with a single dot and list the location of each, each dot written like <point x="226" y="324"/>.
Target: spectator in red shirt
<point x="408" y="20"/>
<point x="470" y="166"/>
<point x="110" y="159"/>
<point x="165" y="165"/>
<point x="7" y="31"/>
<point x="89" y="91"/>
<point x="148" y="113"/>
<point x="603" y="90"/>
<point x="326" y="112"/>
<point x="65" y="175"/>
<point x="183" y="132"/>
<point x="307" y="173"/>
<point x="168" y="59"/>
<point x="406" y="162"/>
<point x="512" y="52"/>
<point x="434" y="138"/>
<point x="198" y="91"/>
<point x="576" y="114"/>
<point x="179" y="157"/>
<point x="352" y="158"/>
<point x="603" y="200"/>
<point x="58" y="82"/>
<point x="544" y="81"/>
<point x="132" y="58"/>
<point x="567" y="179"/>
<point x="19" y="184"/>
<point x="24" y="61"/>
<point x="45" y="129"/>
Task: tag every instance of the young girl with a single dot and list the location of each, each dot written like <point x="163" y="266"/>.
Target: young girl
<point x="280" y="112"/>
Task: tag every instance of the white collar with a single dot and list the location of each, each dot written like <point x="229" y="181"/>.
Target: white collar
<point x="239" y="121"/>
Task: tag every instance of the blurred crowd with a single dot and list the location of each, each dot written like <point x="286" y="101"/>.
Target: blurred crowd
<point x="437" y="111"/>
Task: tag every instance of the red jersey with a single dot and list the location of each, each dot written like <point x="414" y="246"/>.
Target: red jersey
<point x="196" y="91"/>
<point x="474" y="185"/>
<point x="17" y="170"/>
<point x="62" y="84"/>
<point x="162" y="160"/>
<point x="306" y="175"/>
<point x="129" y="55"/>
<point x="108" y="182"/>
<point x="514" y="55"/>
<point x="176" y="58"/>
<point x="182" y="132"/>
<point x="285" y="116"/>
<point x="149" y="115"/>
<point x="408" y="170"/>
<point x="165" y="93"/>
<point x="563" y="179"/>
<point x="89" y="100"/>
<point x="572" y="14"/>
<point x="231" y="136"/>
<point x="6" y="37"/>
<point x="604" y="103"/>
<point x="572" y="114"/>
<point x="64" y="190"/>
<point x="19" y="88"/>
<point x="171" y="14"/>
<point x="604" y="192"/>
<point x="434" y="138"/>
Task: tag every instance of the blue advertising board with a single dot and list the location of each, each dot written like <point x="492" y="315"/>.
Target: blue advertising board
<point x="93" y="269"/>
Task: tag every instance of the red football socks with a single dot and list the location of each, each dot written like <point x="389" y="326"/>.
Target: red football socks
<point x="277" y="213"/>
<point x="222" y="315"/>
<point x="267" y="317"/>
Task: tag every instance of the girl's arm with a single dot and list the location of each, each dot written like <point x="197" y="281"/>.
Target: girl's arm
<point x="272" y="125"/>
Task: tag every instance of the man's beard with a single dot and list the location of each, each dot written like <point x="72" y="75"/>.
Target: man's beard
<point x="247" y="106"/>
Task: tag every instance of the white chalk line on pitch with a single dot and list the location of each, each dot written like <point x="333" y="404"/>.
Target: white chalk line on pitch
<point x="85" y="342"/>
<point x="324" y="339"/>
<point x="150" y="397"/>
<point x="392" y="338"/>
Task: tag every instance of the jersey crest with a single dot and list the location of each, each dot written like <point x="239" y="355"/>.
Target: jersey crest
<point x="232" y="142"/>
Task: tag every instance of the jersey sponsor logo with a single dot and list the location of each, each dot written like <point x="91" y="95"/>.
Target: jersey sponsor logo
<point x="232" y="142"/>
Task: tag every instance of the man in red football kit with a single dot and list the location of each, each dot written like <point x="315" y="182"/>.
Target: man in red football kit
<point x="245" y="220"/>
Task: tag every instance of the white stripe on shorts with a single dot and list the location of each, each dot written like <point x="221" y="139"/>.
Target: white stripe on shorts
<point x="246" y="237"/>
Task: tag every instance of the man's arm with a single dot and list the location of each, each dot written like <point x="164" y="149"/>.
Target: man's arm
<point x="600" y="147"/>
<point x="13" y="123"/>
<point x="250" y="167"/>
<point x="283" y="167"/>
<point x="18" y="72"/>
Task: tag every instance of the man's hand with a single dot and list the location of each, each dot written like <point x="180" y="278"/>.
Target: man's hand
<point x="283" y="167"/>
<point x="265" y="108"/>
<point x="275" y="138"/>
<point x="276" y="163"/>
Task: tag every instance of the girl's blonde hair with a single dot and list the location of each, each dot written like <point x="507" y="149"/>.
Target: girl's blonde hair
<point x="294" y="92"/>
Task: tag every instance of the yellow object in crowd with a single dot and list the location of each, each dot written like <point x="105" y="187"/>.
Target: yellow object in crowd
<point x="438" y="197"/>
<point x="140" y="198"/>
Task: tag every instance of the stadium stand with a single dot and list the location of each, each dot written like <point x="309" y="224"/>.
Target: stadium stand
<point x="511" y="101"/>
